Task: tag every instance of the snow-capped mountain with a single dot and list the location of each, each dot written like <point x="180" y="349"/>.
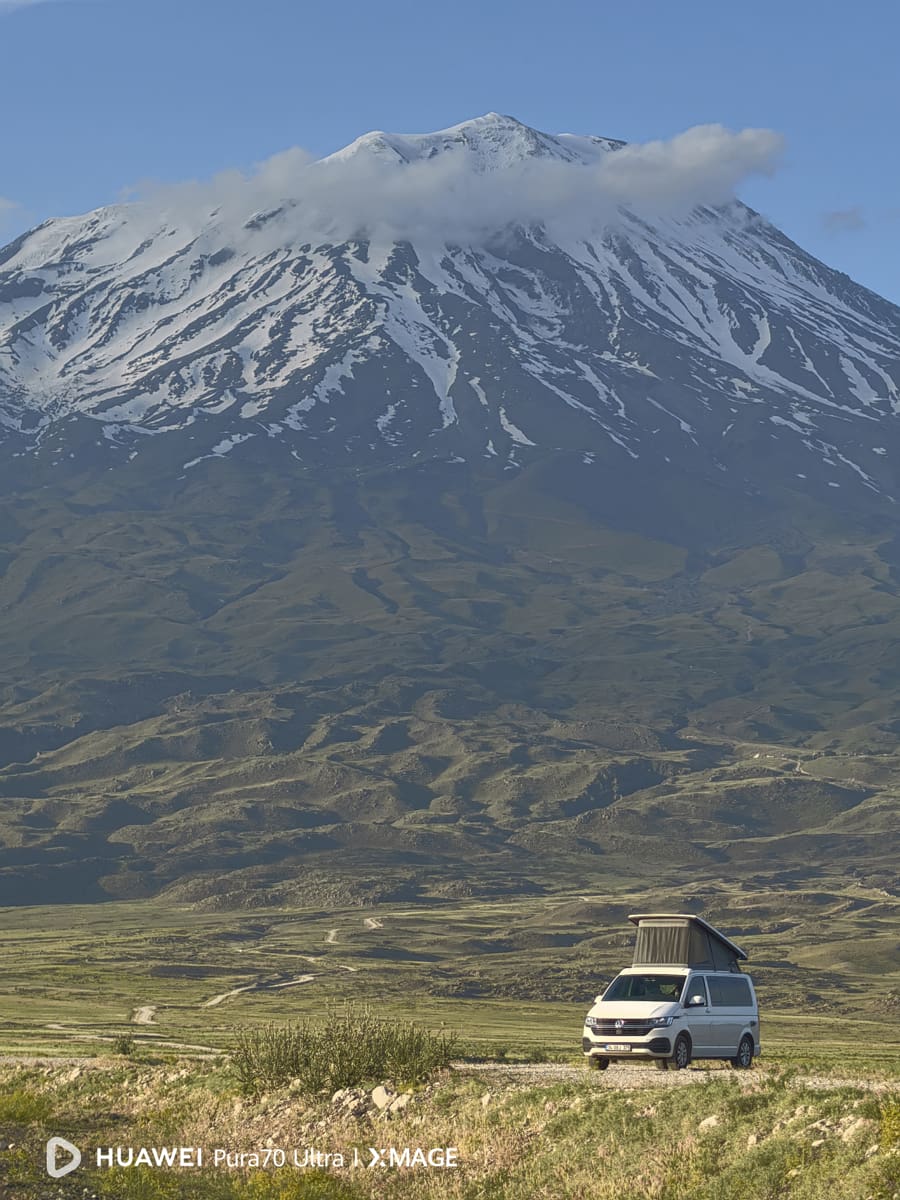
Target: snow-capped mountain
<point x="702" y="338"/>
<point x="472" y="508"/>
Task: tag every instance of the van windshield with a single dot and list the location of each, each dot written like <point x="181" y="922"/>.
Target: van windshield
<point x="650" y="986"/>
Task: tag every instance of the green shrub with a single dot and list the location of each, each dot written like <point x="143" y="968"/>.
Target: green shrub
<point x="25" y="1108"/>
<point x="346" y="1050"/>
<point x="124" y="1044"/>
<point x="890" y="1122"/>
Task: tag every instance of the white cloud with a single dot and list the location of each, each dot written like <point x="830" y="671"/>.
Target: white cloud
<point x="703" y="165"/>
<point x="443" y="198"/>
<point x="845" y="220"/>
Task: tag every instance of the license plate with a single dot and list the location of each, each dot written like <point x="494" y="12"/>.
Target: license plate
<point x="617" y="1046"/>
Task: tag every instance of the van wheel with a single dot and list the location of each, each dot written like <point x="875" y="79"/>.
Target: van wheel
<point x="744" y="1056"/>
<point x="681" y="1054"/>
<point x="596" y="1063"/>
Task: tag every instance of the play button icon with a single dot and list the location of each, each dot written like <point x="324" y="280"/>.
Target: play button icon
<point x="55" y="1147"/>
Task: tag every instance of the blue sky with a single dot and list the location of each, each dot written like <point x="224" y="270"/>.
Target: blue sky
<point x="99" y="95"/>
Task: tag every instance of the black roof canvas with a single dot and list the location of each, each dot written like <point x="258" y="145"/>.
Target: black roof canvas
<point x="680" y="939"/>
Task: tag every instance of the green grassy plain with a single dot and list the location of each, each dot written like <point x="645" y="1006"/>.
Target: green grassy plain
<point x="514" y="974"/>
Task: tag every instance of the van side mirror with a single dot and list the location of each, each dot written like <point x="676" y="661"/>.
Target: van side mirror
<point x="696" y="1001"/>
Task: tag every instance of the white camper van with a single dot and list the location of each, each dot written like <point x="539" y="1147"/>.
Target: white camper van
<point x="683" y="997"/>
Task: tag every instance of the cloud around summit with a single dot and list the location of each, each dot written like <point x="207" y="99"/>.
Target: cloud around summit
<point x="373" y="195"/>
<point x="703" y="165"/>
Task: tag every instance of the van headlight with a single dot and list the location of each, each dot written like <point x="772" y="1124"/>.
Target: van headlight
<point x="662" y="1022"/>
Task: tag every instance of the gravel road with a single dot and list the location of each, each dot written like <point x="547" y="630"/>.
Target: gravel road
<point x="622" y="1077"/>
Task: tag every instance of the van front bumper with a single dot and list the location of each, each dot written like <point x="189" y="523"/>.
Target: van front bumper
<point x="657" y="1047"/>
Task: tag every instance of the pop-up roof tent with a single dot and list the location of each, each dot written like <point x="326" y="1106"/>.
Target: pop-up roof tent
<point x="683" y="940"/>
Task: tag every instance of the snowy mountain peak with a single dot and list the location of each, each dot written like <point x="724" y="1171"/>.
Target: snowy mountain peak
<point x="490" y="142"/>
<point x="707" y="341"/>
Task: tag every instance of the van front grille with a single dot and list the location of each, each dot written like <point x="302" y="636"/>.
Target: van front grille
<point x="635" y="1028"/>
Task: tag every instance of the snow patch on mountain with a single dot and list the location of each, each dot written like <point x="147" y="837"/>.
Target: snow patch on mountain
<point x="605" y="299"/>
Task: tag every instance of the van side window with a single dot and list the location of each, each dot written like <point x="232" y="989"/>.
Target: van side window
<point x="696" y="986"/>
<point x="732" y="992"/>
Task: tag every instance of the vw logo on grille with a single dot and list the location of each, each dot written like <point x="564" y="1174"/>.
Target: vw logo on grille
<point x="620" y="1024"/>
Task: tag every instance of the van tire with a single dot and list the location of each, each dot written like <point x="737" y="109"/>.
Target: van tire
<point x="596" y="1063"/>
<point x="681" y="1052"/>
<point x="744" y="1057"/>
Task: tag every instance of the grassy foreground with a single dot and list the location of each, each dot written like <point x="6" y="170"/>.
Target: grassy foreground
<point x="542" y="1131"/>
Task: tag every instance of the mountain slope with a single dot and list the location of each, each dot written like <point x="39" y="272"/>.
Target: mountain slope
<point x="375" y="567"/>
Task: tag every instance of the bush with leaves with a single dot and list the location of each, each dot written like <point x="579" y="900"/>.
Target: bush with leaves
<point x="347" y="1049"/>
